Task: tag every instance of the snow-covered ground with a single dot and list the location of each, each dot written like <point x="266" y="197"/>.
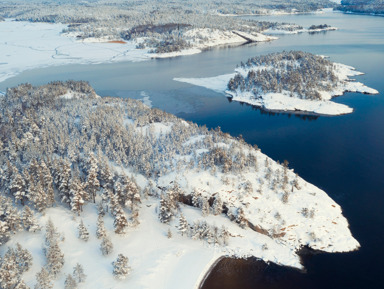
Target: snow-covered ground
<point x="26" y="45"/>
<point x="280" y="218"/>
<point x="283" y="101"/>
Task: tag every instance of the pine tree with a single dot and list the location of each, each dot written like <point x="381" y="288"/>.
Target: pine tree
<point x="224" y="234"/>
<point x="100" y="209"/>
<point x="165" y="213"/>
<point x="120" y="267"/>
<point x="135" y="217"/>
<point x="93" y="184"/>
<point x="100" y="231"/>
<point x="78" y="273"/>
<point x="29" y="221"/>
<point x="83" y="233"/>
<point x="21" y="285"/>
<point x="183" y="225"/>
<point x="37" y="196"/>
<point x="47" y="184"/>
<point x="23" y="259"/>
<point x="64" y="182"/>
<point x="77" y="196"/>
<point x="9" y="271"/>
<point x="55" y="259"/>
<point x="17" y="187"/>
<point x="70" y="283"/>
<point x="217" y="206"/>
<point x="4" y="232"/>
<point x="106" y="246"/>
<point x="51" y="234"/>
<point x="240" y="218"/>
<point x="120" y="223"/>
<point x="44" y="280"/>
<point x="205" y="208"/>
<point x="169" y="233"/>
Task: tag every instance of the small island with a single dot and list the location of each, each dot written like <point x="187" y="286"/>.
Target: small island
<point x="293" y="81"/>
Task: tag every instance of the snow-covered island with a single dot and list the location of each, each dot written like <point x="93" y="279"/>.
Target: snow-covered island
<point x="108" y="193"/>
<point x="293" y="81"/>
<point x="289" y="28"/>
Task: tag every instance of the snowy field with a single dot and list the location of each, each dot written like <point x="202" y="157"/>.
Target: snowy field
<point x="26" y="45"/>
<point x="283" y="101"/>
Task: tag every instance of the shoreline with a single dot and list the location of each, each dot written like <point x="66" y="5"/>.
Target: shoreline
<point x="53" y="48"/>
<point x="206" y="273"/>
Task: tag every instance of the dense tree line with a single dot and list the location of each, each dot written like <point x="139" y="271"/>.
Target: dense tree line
<point x="163" y="25"/>
<point x="362" y="6"/>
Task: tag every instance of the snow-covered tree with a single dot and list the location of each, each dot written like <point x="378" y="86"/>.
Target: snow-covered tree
<point x="183" y="225"/>
<point x="106" y="246"/>
<point x="51" y="234"/>
<point x="9" y="271"/>
<point x="78" y="273"/>
<point x="69" y="282"/>
<point x="65" y="177"/>
<point x="4" y="232"/>
<point x="77" y="196"/>
<point x="17" y="187"/>
<point x="205" y="208"/>
<point x="165" y="213"/>
<point x="100" y="231"/>
<point x="120" y="223"/>
<point x="23" y="259"/>
<point x="120" y="267"/>
<point x="55" y="259"/>
<point x="44" y="280"/>
<point x="217" y="206"/>
<point x="83" y="233"/>
<point x="47" y="184"/>
<point x="93" y="184"/>
<point x="29" y="221"/>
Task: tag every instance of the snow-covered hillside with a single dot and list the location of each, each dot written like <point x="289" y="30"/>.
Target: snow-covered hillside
<point x="171" y="196"/>
<point x="292" y="81"/>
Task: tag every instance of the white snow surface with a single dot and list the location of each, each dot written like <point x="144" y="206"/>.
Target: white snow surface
<point x="180" y="262"/>
<point x="283" y="101"/>
<point x="26" y="45"/>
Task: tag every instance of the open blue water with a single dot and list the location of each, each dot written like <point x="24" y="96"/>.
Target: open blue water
<point x="342" y="155"/>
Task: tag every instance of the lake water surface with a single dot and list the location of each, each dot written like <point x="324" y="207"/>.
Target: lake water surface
<point x="342" y="155"/>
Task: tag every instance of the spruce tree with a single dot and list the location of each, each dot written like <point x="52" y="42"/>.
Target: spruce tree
<point x="23" y="259"/>
<point x="217" y="206"/>
<point x="120" y="267"/>
<point x="29" y="221"/>
<point x="70" y="283"/>
<point x="100" y="231"/>
<point x="83" y="233"/>
<point x="183" y="225"/>
<point x="106" y="246"/>
<point x="44" y="280"/>
<point x="120" y="223"/>
<point x="78" y="273"/>
<point x="55" y="259"/>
